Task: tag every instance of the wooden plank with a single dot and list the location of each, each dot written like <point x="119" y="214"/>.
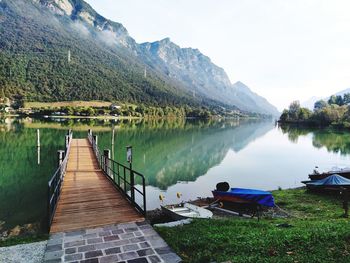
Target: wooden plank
<point x="88" y="199"/>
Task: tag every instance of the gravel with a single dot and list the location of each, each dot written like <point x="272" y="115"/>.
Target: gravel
<point x="26" y="253"/>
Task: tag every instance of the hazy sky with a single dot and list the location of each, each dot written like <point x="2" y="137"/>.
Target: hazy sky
<point x="283" y="50"/>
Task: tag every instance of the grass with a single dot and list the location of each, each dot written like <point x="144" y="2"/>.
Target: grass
<point x="45" y="105"/>
<point x="318" y="234"/>
<point x="17" y="240"/>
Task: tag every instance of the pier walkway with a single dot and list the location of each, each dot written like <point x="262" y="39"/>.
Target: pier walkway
<point x="88" y="199"/>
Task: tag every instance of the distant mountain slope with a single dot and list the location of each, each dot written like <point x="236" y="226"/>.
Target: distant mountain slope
<point x="201" y="76"/>
<point x="105" y="62"/>
<point x="311" y="102"/>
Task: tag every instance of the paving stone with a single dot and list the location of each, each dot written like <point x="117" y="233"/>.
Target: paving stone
<point x="117" y="231"/>
<point x="149" y="232"/>
<point x="154" y="259"/>
<point x="93" y="254"/>
<point x="105" y="233"/>
<point x="131" y="229"/>
<point x="53" y="261"/>
<point x="53" y="255"/>
<point x="90" y="260"/>
<point x="130" y="247"/>
<point x="57" y="236"/>
<point x="120" y="242"/>
<point x="137" y="239"/>
<point x="145" y="227"/>
<point x="127" y="235"/>
<point x="54" y="248"/>
<point x="138" y="260"/>
<point x="55" y="241"/>
<point x="88" y="236"/>
<point x="74" y="243"/>
<point x="95" y="240"/>
<point x="110" y="227"/>
<point x="71" y="250"/>
<point x="138" y="233"/>
<point x="111" y="238"/>
<point x="145" y="252"/>
<point x="171" y="258"/>
<point x="86" y="248"/>
<point x="142" y="223"/>
<point x="105" y="245"/>
<point x="127" y="225"/>
<point x="114" y="250"/>
<point x="73" y="257"/>
<point x="156" y="241"/>
<point x="109" y="259"/>
<point x="128" y="255"/>
<point x="94" y="230"/>
<point x="163" y="250"/>
<point x="75" y="233"/>
<point x="144" y="245"/>
<point x="73" y="238"/>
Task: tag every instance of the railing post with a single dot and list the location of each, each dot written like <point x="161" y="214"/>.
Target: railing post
<point x="60" y="158"/>
<point x="95" y="139"/>
<point x="67" y="141"/>
<point x="132" y="185"/>
<point x="107" y="157"/>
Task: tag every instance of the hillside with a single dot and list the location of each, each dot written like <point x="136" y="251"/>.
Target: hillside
<point x="54" y="50"/>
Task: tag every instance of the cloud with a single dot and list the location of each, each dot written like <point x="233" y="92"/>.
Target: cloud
<point x="81" y="28"/>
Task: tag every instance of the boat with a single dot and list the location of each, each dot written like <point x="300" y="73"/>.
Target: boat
<point x="332" y="182"/>
<point x="344" y="172"/>
<point x="243" y="196"/>
<point x="186" y="210"/>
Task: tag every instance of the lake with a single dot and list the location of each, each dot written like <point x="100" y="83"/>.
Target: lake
<point x="186" y="156"/>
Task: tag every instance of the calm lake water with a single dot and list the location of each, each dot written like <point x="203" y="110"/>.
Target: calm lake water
<point x="184" y="156"/>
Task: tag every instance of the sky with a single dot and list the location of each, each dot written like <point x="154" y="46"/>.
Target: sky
<point x="283" y="50"/>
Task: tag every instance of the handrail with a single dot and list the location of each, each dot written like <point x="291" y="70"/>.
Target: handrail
<point x="55" y="183"/>
<point x="121" y="176"/>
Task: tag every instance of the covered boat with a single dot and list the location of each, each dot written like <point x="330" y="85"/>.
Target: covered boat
<point x="344" y="172"/>
<point x="334" y="181"/>
<point x="243" y="195"/>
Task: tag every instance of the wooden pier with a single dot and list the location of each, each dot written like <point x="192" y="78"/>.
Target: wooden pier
<point x="87" y="197"/>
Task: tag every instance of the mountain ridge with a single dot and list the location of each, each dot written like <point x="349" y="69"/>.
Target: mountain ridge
<point x="186" y="71"/>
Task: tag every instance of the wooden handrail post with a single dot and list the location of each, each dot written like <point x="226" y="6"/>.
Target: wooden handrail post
<point x="107" y="156"/>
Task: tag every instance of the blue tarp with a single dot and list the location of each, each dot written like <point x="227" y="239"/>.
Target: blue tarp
<point x="261" y="197"/>
<point x="332" y="180"/>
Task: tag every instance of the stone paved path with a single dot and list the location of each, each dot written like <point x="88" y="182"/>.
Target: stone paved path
<point x="127" y="243"/>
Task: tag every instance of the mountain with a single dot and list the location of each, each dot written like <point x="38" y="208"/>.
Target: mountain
<point x="201" y="76"/>
<point x="64" y="50"/>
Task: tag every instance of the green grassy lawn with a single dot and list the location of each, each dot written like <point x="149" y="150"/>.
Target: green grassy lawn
<point x="16" y="240"/>
<point x="319" y="233"/>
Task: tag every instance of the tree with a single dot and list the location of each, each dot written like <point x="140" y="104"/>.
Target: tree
<point x="320" y="105"/>
<point x="294" y="109"/>
<point x="332" y="100"/>
<point x="346" y="98"/>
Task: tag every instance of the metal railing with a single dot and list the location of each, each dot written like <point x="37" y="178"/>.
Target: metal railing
<point x="122" y="177"/>
<point x="55" y="183"/>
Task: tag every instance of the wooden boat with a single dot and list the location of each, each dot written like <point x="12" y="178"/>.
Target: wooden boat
<point x="344" y="172"/>
<point x="186" y="210"/>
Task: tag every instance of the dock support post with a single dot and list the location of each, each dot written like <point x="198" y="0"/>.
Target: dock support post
<point x="107" y="157"/>
<point x="89" y="132"/>
<point x="38" y="137"/>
